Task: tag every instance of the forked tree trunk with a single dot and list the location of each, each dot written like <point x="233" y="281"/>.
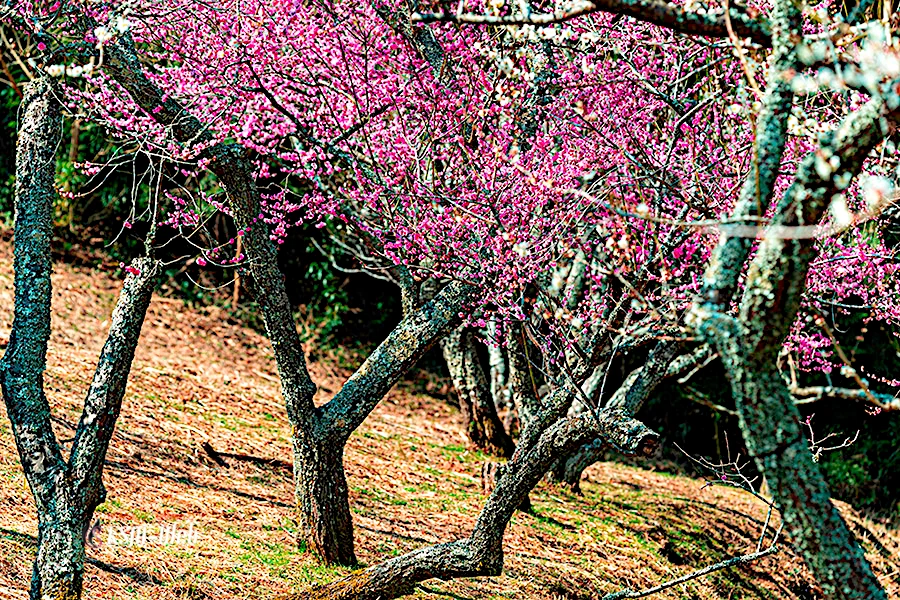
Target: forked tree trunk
<point x="65" y="493"/>
<point x="750" y="343"/>
<point x="319" y="433"/>
<point x="481" y="554"/>
<point x="629" y="398"/>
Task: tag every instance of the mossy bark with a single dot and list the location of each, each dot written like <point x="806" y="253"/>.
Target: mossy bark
<point x="482" y="424"/>
<point x="65" y="492"/>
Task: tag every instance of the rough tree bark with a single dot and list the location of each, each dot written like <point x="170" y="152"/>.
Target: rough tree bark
<point x="520" y="381"/>
<point x="749" y="346"/>
<point x="65" y="493"/>
<point x="483" y="426"/>
<point x="775" y="283"/>
<point x="319" y="457"/>
<point x="481" y="554"/>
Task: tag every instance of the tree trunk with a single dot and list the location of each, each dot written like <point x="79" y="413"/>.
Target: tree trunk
<point x="59" y="565"/>
<point x="568" y="472"/>
<point x="498" y="366"/>
<point x="326" y="527"/>
<point x="365" y="388"/>
<point x="65" y="494"/>
<point x="629" y="398"/>
<point x="521" y="386"/>
<point x="320" y="482"/>
<point x="481" y="554"/>
<point x="749" y="346"/>
<point x="483" y="426"/>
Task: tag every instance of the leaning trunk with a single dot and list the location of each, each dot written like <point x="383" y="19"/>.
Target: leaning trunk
<point x="749" y="346"/>
<point x="483" y="426"/>
<point x="481" y="554"/>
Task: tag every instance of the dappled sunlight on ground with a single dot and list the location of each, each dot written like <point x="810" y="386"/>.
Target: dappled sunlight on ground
<point x="200" y="378"/>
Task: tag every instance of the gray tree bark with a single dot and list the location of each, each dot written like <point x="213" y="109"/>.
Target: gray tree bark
<point x="629" y="398"/>
<point x="520" y="381"/>
<point x="65" y="493"/>
<point x="481" y="554"/>
<point x="750" y="343"/>
<point x="482" y="424"/>
<point x="749" y="346"/>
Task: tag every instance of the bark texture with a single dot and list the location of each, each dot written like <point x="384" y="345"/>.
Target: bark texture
<point x="481" y="554"/>
<point x="483" y="426"/>
<point x="749" y="345"/>
<point x="320" y="487"/>
<point x="520" y="382"/>
<point x="629" y="398"/>
<point x="65" y="493"/>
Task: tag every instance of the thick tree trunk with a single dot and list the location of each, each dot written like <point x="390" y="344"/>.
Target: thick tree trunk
<point x="65" y="494"/>
<point x="483" y="426"/>
<point x="59" y="565"/>
<point x="481" y="554"/>
<point x="326" y="527"/>
<point x="749" y="346"/>
<point x="320" y="482"/>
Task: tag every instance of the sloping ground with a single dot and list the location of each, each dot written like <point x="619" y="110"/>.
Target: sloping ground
<point x="199" y="378"/>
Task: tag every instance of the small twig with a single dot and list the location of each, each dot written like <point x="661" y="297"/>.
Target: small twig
<point x="820" y="321"/>
<point x="737" y="560"/>
<point x="808" y="395"/>
<point x="751" y="79"/>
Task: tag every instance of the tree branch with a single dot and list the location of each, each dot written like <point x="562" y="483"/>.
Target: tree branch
<point x="23" y="364"/>
<point x="657" y="12"/>
<point x="412" y="337"/>
<point x="104" y="398"/>
<point x="482" y="552"/>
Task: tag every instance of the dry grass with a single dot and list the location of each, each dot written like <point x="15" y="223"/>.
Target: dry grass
<point x="200" y="378"/>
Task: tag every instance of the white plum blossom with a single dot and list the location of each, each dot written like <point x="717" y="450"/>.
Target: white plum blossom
<point x="842" y="216"/>
<point x="103" y="34"/>
<point x="877" y="191"/>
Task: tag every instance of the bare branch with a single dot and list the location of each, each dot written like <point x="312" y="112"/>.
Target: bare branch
<point x="731" y="562"/>
<point x="658" y="12"/>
